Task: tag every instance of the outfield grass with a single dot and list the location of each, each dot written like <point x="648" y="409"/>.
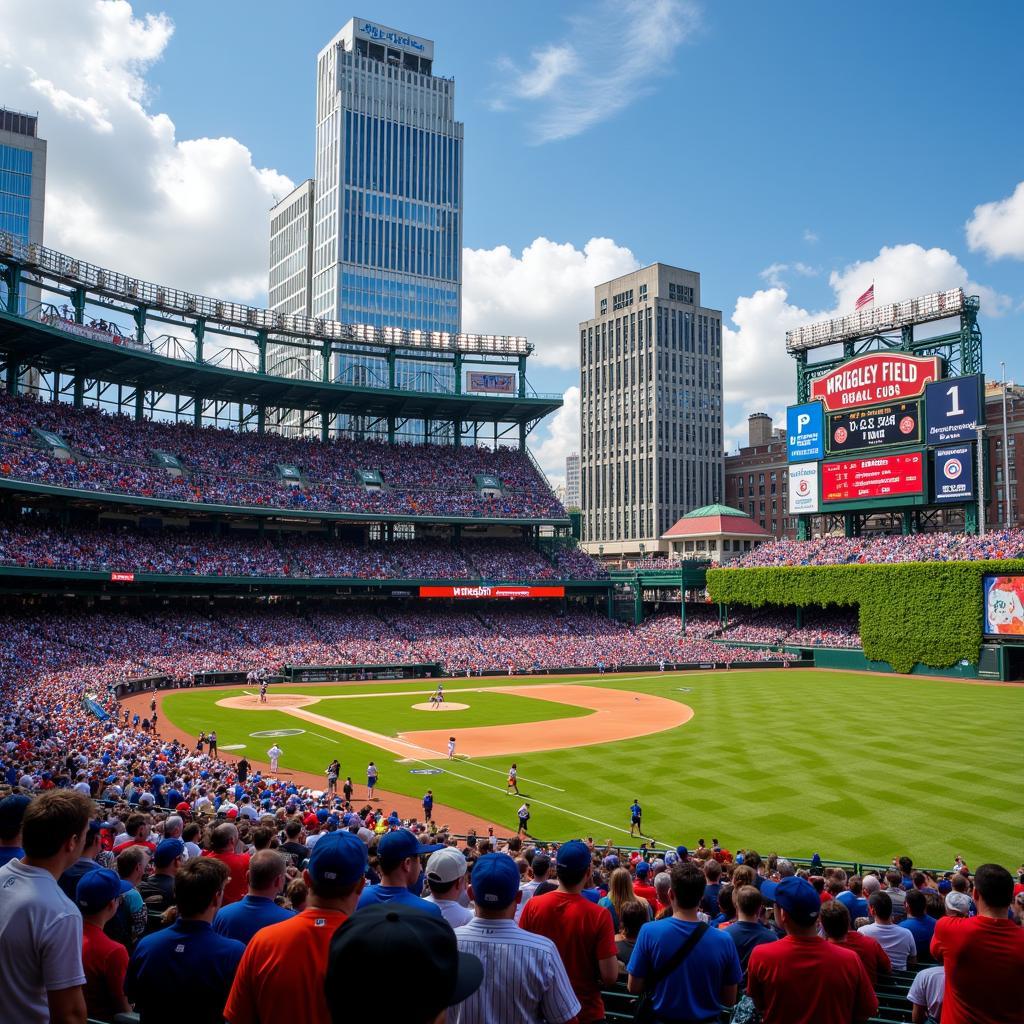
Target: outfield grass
<point x="853" y="766"/>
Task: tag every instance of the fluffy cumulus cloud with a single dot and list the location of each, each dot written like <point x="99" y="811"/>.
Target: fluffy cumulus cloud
<point x="758" y="375"/>
<point x="122" y="189"/>
<point x="997" y="228"/>
<point x="563" y="437"/>
<point x="608" y="58"/>
<point x="542" y="292"/>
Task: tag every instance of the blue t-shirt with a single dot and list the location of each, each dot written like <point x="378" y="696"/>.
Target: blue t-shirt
<point x="921" y="928"/>
<point x="243" y="919"/>
<point x="691" y="991"/>
<point x="10" y="853"/>
<point x="856" y="905"/>
<point x="396" y="894"/>
<point x="188" y="957"/>
<point x="709" y="901"/>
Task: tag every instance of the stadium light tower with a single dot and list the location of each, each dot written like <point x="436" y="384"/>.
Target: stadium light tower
<point x="981" y="480"/>
<point x="1006" y="455"/>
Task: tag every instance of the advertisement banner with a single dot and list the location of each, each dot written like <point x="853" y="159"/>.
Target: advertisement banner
<point x="491" y="383"/>
<point x="952" y="409"/>
<point x="1004" y="605"/>
<point x="804" y="431"/>
<point x="876" y="378"/>
<point x="803" y="489"/>
<point x="954" y="473"/>
<point x="881" y="427"/>
<point x="122" y="577"/>
<point x="487" y="591"/>
<point x="885" y="476"/>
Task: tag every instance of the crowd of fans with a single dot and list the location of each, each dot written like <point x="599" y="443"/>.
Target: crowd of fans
<point x="221" y="466"/>
<point x="878" y="548"/>
<point x="302" y="555"/>
<point x="254" y="901"/>
<point x="820" y="628"/>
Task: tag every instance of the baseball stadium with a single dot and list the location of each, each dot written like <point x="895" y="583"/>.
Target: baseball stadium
<point x="263" y="565"/>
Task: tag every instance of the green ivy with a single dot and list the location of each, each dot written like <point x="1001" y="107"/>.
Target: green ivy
<point x="927" y="612"/>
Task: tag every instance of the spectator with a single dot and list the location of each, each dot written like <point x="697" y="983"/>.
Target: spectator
<point x="713" y="874"/>
<point x="898" y="943"/>
<point x="281" y="976"/>
<point x="925" y="995"/>
<point x="695" y="984"/>
<point x="137" y="834"/>
<point x="524" y="979"/>
<point x="435" y="974"/>
<point x="399" y="855"/>
<point x="581" y="930"/>
<point x="12" y="811"/>
<point x="257" y="909"/>
<point x="224" y="847"/>
<point x="446" y="873"/>
<point x="128" y="927"/>
<point x="853" y="898"/>
<point x="620" y="891"/>
<point x="293" y="845"/>
<point x="68" y="882"/>
<point x="748" y="932"/>
<point x="40" y="928"/>
<point x="189" y="957"/>
<point x="157" y="891"/>
<point x="537" y="874"/>
<point x="104" y="961"/>
<point x="835" y="923"/>
<point x="983" y="956"/>
<point x="918" y="923"/>
<point x="897" y="894"/>
<point x="803" y="979"/>
<point x="633" y="915"/>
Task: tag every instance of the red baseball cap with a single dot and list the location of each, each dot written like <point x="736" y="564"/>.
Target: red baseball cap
<point x="232" y="812"/>
<point x="183" y="806"/>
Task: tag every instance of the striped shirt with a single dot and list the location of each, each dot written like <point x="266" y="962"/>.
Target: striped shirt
<point x="524" y="980"/>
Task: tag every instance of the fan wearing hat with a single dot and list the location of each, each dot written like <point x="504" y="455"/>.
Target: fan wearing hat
<point x="281" y="976"/>
<point x="407" y="954"/>
<point x="12" y="810"/>
<point x="525" y="980"/>
<point x="104" y="961"/>
<point x="157" y="891"/>
<point x="401" y="872"/>
<point x="802" y="979"/>
<point x="582" y="931"/>
<point x="446" y="873"/>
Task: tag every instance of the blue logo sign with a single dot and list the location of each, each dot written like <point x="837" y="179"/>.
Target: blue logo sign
<point x="386" y="35"/>
<point x="805" y="429"/>
<point x="954" y="473"/>
<point x="952" y="409"/>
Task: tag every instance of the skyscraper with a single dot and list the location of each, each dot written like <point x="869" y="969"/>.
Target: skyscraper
<point x="22" y="184"/>
<point x="572" y="480"/>
<point x="651" y="408"/>
<point x="386" y="218"/>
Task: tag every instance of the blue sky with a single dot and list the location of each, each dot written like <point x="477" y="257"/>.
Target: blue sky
<point x="774" y="148"/>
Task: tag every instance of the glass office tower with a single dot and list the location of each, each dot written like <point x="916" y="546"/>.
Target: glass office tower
<point x="22" y="183"/>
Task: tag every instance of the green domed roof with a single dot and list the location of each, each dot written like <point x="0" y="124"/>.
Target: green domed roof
<point x="715" y="510"/>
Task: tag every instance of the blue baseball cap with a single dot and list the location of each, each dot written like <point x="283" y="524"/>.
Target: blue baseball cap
<point x="796" y="896"/>
<point x="683" y="852"/>
<point x="97" y="888"/>
<point x="323" y="814"/>
<point x="167" y="851"/>
<point x="573" y="855"/>
<point x="495" y="881"/>
<point x="643" y="868"/>
<point x="394" y="847"/>
<point x="338" y="857"/>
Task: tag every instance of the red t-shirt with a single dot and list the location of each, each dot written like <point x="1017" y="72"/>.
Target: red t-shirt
<point x="809" y="981"/>
<point x="238" y="883"/>
<point x="649" y="893"/>
<point x="281" y="975"/>
<point x="104" y="963"/>
<point x="984" y="962"/>
<point x="583" y="933"/>
<point x="875" y="959"/>
<point x="121" y="847"/>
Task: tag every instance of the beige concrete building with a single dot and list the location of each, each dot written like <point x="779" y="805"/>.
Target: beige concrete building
<point x="651" y="409"/>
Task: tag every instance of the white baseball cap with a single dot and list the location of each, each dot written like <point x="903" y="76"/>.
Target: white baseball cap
<point x="446" y="866"/>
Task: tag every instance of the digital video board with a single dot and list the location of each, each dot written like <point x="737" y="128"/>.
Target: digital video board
<point x="879" y="427"/>
<point x="881" y="476"/>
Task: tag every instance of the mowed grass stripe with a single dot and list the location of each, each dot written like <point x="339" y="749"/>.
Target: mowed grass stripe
<point x="852" y="766"/>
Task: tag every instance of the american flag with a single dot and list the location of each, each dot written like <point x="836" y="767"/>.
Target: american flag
<point x="868" y="296"/>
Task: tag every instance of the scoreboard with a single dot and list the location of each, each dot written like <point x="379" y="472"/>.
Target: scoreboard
<point x="869" y="479"/>
<point x="880" y="427"/>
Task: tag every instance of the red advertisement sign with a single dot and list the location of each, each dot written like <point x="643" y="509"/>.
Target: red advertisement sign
<point x="122" y="577"/>
<point x="491" y="591"/>
<point x="875" y="378"/>
<point x="883" y="477"/>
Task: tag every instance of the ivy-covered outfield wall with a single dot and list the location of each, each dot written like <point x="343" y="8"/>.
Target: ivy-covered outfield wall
<point x="927" y="612"/>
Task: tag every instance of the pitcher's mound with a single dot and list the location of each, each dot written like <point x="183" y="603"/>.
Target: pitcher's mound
<point x="445" y="705"/>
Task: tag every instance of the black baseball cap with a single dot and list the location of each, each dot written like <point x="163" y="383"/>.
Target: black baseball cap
<point x="376" y="940"/>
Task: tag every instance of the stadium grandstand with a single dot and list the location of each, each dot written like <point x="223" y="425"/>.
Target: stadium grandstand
<point x="178" y="512"/>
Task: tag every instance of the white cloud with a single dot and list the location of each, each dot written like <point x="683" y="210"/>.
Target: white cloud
<point x="809" y="236"/>
<point x="997" y="228"/>
<point x="610" y="57"/>
<point x="122" y="189"/>
<point x="563" y="437"/>
<point x="759" y="376"/>
<point x="542" y="293"/>
<point x="774" y="273"/>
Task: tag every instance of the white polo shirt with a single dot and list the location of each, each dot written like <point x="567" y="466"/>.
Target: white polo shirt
<point x="524" y="979"/>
